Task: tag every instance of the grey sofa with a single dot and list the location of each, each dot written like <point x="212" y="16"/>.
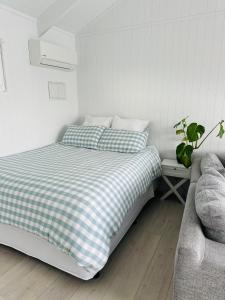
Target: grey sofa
<point x="199" y="272"/>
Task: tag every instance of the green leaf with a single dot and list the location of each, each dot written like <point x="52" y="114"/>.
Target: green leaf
<point x="185" y="139"/>
<point x="179" y="131"/>
<point x="221" y="131"/>
<point x="191" y="132"/>
<point x="184" y="154"/>
<point x="179" y="151"/>
<point x="186" y="157"/>
<point x="195" y="132"/>
<point x="184" y="120"/>
<point x="176" y="125"/>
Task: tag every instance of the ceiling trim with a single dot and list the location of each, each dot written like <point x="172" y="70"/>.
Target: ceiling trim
<point x="66" y="32"/>
<point x="18" y="13"/>
<point x="54" y="14"/>
<point x="98" y="17"/>
<point x="32" y="19"/>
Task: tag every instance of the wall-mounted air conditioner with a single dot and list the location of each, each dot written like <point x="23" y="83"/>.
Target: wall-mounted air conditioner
<point x="48" y="55"/>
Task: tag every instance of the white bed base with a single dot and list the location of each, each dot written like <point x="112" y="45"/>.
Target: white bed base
<point x="41" y="249"/>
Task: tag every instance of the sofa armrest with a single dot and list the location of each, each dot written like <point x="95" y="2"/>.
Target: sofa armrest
<point x="191" y="243"/>
<point x="200" y="262"/>
<point x="190" y="248"/>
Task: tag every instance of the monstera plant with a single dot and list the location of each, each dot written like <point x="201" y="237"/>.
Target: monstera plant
<point x="192" y="139"/>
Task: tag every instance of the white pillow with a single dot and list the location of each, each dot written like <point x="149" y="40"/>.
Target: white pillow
<point x="129" y="124"/>
<point x="97" y="121"/>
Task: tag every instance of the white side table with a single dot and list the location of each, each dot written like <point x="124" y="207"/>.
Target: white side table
<point x="171" y="168"/>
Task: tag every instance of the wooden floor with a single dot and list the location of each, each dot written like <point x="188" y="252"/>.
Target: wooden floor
<point x="140" y="268"/>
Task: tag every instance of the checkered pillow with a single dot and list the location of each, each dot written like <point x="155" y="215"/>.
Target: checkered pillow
<point x="83" y="136"/>
<point x="123" y="140"/>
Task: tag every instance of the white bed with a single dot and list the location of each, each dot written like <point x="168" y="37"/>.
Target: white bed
<point x="70" y="207"/>
<point x="41" y="249"/>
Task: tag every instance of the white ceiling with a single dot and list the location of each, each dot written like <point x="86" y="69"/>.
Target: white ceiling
<point x="83" y="13"/>
<point x="32" y="8"/>
<point x="78" y="16"/>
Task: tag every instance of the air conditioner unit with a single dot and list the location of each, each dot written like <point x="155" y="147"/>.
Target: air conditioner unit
<point x="49" y="55"/>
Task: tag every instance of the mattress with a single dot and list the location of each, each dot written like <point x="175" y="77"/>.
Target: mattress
<point x="75" y="199"/>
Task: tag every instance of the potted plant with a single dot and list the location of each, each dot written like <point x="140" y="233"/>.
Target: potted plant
<point x="192" y="139"/>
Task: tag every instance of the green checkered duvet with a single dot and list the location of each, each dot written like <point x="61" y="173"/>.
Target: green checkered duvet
<point x="75" y="198"/>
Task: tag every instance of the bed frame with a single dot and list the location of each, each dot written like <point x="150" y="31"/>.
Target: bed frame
<point x="41" y="249"/>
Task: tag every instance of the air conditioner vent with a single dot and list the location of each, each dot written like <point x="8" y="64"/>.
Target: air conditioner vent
<point x="49" y="55"/>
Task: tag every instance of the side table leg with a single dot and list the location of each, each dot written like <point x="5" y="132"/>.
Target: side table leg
<point x="173" y="189"/>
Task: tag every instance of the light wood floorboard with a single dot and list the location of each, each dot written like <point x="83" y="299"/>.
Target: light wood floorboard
<point x="140" y="268"/>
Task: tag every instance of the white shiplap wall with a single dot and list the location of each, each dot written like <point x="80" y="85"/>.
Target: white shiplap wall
<point x="28" y="118"/>
<point x="156" y="59"/>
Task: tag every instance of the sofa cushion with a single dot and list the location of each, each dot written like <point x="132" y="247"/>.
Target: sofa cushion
<point x="211" y="160"/>
<point x="210" y="204"/>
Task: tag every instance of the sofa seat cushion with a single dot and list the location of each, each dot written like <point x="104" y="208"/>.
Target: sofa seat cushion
<point x="211" y="160"/>
<point x="210" y="204"/>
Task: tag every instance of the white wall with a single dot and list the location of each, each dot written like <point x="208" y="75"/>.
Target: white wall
<point x="156" y="59"/>
<point x="28" y="119"/>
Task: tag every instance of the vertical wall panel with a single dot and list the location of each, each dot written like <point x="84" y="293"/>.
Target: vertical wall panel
<point x="156" y="59"/>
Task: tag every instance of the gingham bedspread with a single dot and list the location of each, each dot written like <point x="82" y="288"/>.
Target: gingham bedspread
<point x="75" y="198"/>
